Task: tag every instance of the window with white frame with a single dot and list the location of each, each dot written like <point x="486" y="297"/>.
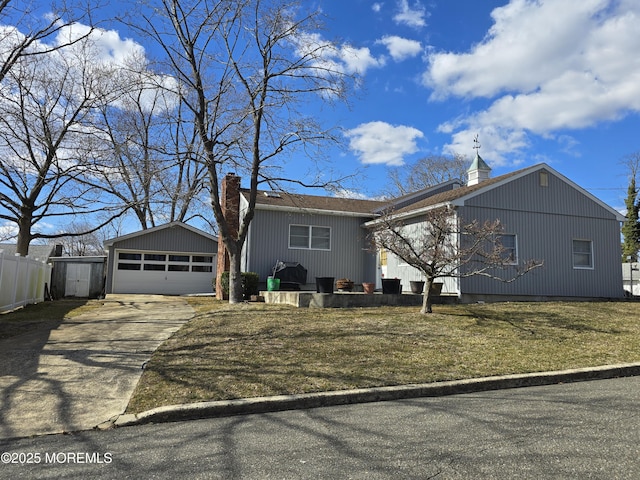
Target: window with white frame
<point x="582" y="254"/>
<point x="509" y="245"/>
<point x="310" y="237"/>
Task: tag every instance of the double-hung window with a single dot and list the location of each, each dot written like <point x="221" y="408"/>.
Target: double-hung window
<point x="310" y="237"/>
<point x="509" y="247"/>
<point x="582" y="254"/>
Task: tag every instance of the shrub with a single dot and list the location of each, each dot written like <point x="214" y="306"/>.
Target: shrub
<point x="250" y="282"/>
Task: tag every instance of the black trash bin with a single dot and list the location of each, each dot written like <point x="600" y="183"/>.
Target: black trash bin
<point x="324" y="284"/>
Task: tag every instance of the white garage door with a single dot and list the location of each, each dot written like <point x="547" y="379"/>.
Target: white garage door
<point x="164" y="273"/>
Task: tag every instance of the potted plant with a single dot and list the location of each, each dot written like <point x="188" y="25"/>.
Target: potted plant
<point x="344" y="284"/>
<point x="368" y="288"/>
<point x="391" y="286"/>
<point x="417" y="287"/>
<point x="324" y="284"/>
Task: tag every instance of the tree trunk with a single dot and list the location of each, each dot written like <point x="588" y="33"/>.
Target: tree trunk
<point x="24" y="235"/>
<point x="426" y="297"/>
<point x="236" y="295"/>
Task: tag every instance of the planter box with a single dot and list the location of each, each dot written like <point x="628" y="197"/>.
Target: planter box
<point x="344" y="285"/>
<point x="391" y="286"/>
<point x="324" y="284"/>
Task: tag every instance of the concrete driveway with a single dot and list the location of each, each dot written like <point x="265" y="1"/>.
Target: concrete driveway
<point x="83" y="373"/>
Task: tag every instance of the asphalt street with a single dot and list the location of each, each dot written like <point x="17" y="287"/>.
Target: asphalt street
<point x="585" y="430"/>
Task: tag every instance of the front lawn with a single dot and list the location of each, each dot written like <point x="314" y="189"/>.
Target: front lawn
<point x="254" y="350"/>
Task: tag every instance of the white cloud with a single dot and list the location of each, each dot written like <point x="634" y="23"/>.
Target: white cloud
<point x="400" y="48"/>
<point x="107" y="46"/>
<point x="336" y="58"/>
<point x="376" y="7"/>
<point x="382" y="143"/>
<point x="545" y="66"/>
<point x="358" y="60"/>
<point x="411" y="16"/>
<point x="498" y="143"/>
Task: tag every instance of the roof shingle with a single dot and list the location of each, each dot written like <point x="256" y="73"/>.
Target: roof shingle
<point x="315" y="202"/>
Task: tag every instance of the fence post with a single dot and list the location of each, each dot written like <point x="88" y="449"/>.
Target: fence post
<point x="27" y="281"/>
<point x="15" y="280"/>
<point x="1" y="270"/>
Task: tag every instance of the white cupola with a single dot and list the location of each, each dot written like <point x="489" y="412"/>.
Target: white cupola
<point x="479" y="170"/>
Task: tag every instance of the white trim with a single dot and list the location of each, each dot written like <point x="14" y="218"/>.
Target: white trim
<point x="409" y="214"/>
<point x="573" y="252"/>
<point x="517" y="252"/>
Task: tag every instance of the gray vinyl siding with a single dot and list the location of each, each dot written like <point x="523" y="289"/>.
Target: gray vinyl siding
<point x="170" y="239"/>
<point x="526" y="195"/>
<point x="349" y="256"/>
<point x="546" y="220"/>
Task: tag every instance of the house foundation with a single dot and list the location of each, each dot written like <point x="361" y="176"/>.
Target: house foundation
<point x="307" y="299"/>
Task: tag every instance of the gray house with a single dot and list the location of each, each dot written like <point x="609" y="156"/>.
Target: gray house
<point x="171" y="259"/>
<point x="546" y="216"/>
<point x="326" y="235"/>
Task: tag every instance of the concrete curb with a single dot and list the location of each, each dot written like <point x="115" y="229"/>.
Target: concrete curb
<point x="224" y="408"/>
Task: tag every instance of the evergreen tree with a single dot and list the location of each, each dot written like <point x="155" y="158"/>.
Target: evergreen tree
<point x="631" y="228"/>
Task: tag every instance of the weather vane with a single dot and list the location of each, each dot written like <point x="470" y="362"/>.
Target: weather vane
<point x="476" y="142"/>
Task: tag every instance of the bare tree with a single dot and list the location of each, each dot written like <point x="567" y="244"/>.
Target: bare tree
<point x="184" y="185"/>
<point x="80" y="244"/>
<point x="148" y="155"/>
<point x="25" y="30"/>
<point x="46" y="110"/>
<point x="427" y="172"/>
<point x="440" y="244"/>
<point x="245" y="67"/>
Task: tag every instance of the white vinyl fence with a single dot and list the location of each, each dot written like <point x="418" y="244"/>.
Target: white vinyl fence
<point x="22" y="281"/>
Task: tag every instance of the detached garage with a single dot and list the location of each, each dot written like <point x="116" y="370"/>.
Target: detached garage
<point x="172" y="259"/>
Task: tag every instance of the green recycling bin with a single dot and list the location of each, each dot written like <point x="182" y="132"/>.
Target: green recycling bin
<point x="273" y="284"/>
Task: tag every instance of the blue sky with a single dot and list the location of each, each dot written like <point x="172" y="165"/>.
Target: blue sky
<point x="554" y="81"/>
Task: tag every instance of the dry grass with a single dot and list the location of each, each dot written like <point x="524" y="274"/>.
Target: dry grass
<point x="256" y="349"/>
<point x="43" y="315"/>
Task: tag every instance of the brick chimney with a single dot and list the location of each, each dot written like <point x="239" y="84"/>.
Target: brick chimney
<point x="230" y="203"/>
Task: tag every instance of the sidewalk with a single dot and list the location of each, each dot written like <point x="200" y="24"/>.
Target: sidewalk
<point x="83" y="373"/>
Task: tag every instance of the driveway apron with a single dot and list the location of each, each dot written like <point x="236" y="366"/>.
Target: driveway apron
<point x="83" y="373"/>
